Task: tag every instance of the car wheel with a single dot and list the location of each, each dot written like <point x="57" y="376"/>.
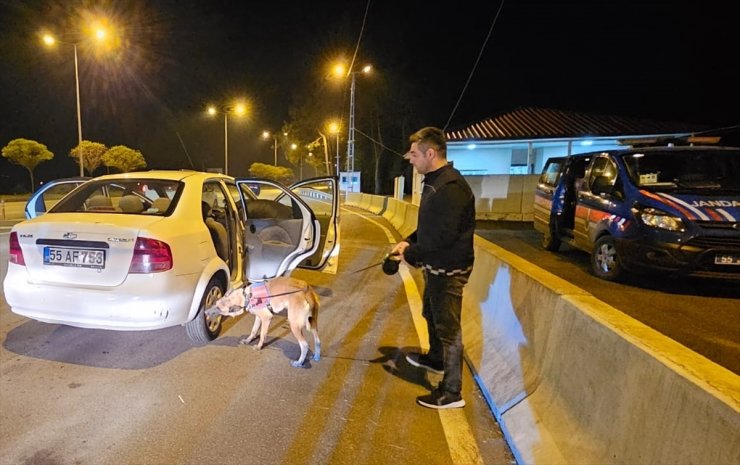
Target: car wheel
<point x="550" y="241"/>
<point x="203" y="329"/>
<point x="605" y="261"/>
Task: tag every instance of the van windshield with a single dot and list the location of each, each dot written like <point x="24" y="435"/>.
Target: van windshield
<point x="685" y="170"/>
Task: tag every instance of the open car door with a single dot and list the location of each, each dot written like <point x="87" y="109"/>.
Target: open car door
<point x="286" y="228"/>
<point x="49" y="194"/>
<point x="322" y="195"/>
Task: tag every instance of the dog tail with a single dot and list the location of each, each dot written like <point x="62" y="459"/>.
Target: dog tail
<point x="313" y="302"/>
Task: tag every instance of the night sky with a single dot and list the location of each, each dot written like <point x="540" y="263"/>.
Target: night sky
<point x="670" y="61"/>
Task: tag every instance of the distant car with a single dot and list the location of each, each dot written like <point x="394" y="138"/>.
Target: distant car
<point x="666" y="209"/>
<point x="150" y="250"/>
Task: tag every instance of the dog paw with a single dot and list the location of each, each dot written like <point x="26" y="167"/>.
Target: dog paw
<point x="244" y="341"/>
<point x="296" y="364"/>
<point x="316" y="358"/>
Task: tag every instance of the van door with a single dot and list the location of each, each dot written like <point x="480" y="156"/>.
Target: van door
<point x="543" y="197"/>
<point x="598" y="198"/>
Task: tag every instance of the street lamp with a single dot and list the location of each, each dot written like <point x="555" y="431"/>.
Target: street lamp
<point x="339" y="69"/>
<point x="50" y="41"/>
<point x="266" y="135"/>
<point x="238" y="109"/>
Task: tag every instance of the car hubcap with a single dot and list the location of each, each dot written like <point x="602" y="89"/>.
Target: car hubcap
<point x="213" y="296"/>
<point x="606" y="258"/>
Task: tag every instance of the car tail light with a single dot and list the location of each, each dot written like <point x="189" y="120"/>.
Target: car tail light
<point x="150" y="256"/>
<point x="14" y="248"/>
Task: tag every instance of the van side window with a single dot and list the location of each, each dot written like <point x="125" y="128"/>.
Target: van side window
<point x="603" y="172"/>
<point x="551" y="173"/>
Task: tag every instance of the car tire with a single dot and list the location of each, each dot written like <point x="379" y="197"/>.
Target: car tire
<point x="550" y="241"/>
<point x="203" y="329"/>
<point x="605" y="262"/>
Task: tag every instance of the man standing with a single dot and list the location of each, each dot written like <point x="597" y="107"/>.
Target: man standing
<point x="442" y="246"/>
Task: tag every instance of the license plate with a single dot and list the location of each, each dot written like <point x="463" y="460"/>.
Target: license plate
<point x="81" y="258"/>
<point x="727" y="259"/>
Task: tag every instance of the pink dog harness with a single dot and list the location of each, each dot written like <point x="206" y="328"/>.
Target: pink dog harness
<point x="260" y="297"/>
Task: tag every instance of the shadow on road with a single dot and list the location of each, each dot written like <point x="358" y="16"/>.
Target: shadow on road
<point x="127" y="350"/>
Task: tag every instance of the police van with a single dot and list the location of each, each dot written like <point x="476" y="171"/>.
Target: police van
<point x="673" y="209"/>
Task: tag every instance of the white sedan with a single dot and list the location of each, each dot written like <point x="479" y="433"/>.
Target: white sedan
<point x="149" y="250"/>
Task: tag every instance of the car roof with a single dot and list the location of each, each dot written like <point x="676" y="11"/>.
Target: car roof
<point x="174" y="175"/>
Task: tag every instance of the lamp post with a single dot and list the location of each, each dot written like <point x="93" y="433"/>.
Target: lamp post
<point x="50" y="41"/>
<point x="266" y="135"/>
<point x="339" y="70"/>
<point x="238" y="109"/>
<point x="334" y="128"/>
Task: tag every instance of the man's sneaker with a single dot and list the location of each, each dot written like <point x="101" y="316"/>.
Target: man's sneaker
<point x="423" y="361"/>
<point x="439" y="399"/>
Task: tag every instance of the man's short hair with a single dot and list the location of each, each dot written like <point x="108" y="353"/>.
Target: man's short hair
<point x="431" y="137"/>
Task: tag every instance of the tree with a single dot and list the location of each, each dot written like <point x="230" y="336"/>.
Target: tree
<point x="92" y="155"/>
<point x="124" y="159"/>
<point x="27" y="153"/>
<point x="276" y="173"/>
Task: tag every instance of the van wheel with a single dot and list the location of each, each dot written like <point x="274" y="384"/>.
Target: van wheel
<point x="605" y="262"/>
<point x="203" y="329"/>
<point x="550" y="241"/>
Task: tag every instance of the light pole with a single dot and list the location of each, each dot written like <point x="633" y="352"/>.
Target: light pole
<point x="339" y="69"/>
<point x="334" y="128"/>
<point x="326" y="153"/>
<point x="266" y="135"/>
<point x="50" y="41"/>
<point x="238" y="109"/>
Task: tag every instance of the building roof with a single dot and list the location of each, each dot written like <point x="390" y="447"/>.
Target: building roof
<point x="542" y="123"/>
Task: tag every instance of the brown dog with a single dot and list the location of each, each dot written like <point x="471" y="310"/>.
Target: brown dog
<point x="268" y="298"/>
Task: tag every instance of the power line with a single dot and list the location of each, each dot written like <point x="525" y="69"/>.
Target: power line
<point x="379" y="143"/>
<point x="470" y="76"/>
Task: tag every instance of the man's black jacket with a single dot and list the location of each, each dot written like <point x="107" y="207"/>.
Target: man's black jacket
<point x="443" y="240"/>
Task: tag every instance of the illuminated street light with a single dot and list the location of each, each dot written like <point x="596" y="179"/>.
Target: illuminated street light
<point x="340" y="70"/>
<point x="50" y="41"/>
<point x="239" y="109"/>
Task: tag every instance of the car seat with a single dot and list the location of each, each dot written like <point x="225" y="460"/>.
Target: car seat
<point x="161" y="204"/>
<point x="99" y="203"/>
<point x="218" y="233"/>
<point x="131" y="204"/>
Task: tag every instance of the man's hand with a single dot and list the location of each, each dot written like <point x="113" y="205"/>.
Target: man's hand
<point x="399" y="249"/>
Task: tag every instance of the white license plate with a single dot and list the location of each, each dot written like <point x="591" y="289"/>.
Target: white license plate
<point x="83" y="258"/>
<point x="727" y="259"/>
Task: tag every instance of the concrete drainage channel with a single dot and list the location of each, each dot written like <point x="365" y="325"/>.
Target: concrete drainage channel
<point x="572" y="380"/>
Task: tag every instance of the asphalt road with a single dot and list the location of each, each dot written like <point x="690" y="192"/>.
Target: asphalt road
<point x="702" y="314"/>
<point x="81" y="396"/>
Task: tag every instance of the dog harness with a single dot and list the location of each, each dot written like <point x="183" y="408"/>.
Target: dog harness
<point x="260" y="297"/>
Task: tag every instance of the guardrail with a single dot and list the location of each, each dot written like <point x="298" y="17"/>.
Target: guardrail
<point x="572" y="380"/>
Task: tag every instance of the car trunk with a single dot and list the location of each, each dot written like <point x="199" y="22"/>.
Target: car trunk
<point x="61" y="249"/>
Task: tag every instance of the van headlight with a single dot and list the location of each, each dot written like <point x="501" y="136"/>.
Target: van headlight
<point x="661" y="220"/>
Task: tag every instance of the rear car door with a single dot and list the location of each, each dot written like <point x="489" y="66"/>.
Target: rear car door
<point x="286" y="228"/>
<point x="49" y="194"/>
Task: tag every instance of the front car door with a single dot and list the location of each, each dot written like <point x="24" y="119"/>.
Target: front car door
<point x="286" y="228"/>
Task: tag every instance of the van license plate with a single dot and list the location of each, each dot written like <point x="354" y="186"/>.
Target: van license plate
<point x="81" y="258"/>
<point x="727" y="259"/>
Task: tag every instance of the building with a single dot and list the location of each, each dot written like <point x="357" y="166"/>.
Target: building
<point x="520" y="141"/>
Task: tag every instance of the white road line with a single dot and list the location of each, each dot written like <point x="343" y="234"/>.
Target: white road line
<point x="460" y="439"/>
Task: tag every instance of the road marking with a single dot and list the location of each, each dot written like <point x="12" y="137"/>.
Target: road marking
<point x="460" y="440"/>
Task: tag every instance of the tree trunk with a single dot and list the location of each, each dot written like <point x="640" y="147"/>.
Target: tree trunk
<point x="33" y="184"/>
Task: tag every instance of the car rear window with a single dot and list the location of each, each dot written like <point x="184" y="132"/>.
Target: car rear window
<point x="123" y="196"/>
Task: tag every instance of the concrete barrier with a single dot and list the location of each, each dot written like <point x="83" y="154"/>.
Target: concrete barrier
<point x="572" y="380"/>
